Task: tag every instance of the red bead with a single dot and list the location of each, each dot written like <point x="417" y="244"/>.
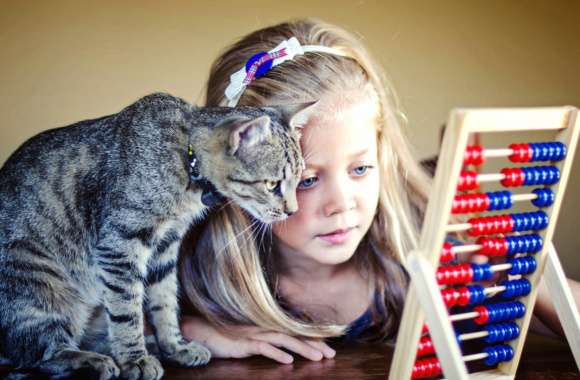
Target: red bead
<point x="425" y="347"/>
<point x="454" y="274"/>
<point x="492" y="246"/>
<point x="446" y="253"/>
<point x="467" y="180"/>
<point x="449" y="296"/>
<point x="465" y="203"/>
<point x="473" y="155"/>
<point x="483" y="315"/>
<point x="521" y="153"/>
<point x="513" y="177"/>
<point x="456" y="296"/>
<point x="426" y="368"/>
<point x="424" y="329"/>
<point x="464" y="296"/>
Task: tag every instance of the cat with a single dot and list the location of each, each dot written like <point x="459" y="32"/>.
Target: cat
<point x="92" y="215"/>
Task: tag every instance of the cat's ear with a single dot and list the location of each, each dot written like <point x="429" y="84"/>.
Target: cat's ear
<point x="249" y="133"/>
<point x="297" y="114"/>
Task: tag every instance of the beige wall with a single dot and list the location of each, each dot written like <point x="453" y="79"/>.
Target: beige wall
<point x="62" y="61"/>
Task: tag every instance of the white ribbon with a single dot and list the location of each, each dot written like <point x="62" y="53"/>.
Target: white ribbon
<point x="236" y="87"/>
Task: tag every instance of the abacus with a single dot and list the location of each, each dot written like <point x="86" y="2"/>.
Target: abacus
<point x="444" y="290"/>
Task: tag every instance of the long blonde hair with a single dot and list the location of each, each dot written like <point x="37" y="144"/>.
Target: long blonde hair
<point x="230" y="276"/>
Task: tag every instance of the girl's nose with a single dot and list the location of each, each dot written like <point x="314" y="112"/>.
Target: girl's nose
<point x="340" y="198"/>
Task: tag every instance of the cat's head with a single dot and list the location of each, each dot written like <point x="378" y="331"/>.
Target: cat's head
<point x="258" y="162"/>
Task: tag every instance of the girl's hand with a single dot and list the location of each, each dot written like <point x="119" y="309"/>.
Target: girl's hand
<point x="253" y="341"/>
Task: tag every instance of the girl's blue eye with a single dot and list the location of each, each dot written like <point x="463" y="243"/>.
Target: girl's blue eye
<point x="361" y="170"/>
<point x="307" y="183"/>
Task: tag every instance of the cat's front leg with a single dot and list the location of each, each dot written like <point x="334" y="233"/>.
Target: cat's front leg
<point x="121" y="269"/>
<point x="163" y="310"/>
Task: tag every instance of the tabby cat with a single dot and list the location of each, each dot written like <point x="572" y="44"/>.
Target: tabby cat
<point x="92" y="214"/>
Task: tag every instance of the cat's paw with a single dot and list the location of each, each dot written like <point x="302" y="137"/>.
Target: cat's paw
<point x="104" y="366"/>
<point x="73" y="362"/>
<point x="144" y="368"/>
<point x="188" y="354"/>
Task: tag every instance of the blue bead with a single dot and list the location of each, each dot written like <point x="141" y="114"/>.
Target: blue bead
<point x="530" y="221"/>
<point x="498" y="354"/>
<point x="505" y="311"/>
<point x="562" y="151"/>
<point x="501" y="332"/>
<point x="545" y="197"/>
<point x="481" y="272"/>
<point x="522" y="265"/>
<point x="541" y="175"/>
<point x="476" y="294"/>
<point x="556" y="151"/>
<point x="536" y="152"/>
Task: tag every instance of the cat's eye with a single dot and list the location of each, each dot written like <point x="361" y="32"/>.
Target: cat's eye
<point x="272" y="185"/>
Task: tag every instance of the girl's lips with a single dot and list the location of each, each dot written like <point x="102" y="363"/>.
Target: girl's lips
<point x="336" y="237"/>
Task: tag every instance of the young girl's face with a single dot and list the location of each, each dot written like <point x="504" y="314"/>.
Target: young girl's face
<point x="339" y="189"/>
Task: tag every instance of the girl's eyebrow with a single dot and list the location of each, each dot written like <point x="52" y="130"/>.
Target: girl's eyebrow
<point x="350" y="157"/>
<point x="357" y="154"/>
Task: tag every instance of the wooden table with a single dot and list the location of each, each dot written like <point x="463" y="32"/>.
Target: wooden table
<point x="543" y="358"/>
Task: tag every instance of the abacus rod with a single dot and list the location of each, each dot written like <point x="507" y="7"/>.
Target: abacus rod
<point x="490" y="177"/>
<point x="458" y="227"/>
<point x="473" y="335"/>
<point x="494" y="289"/>
<point x="470" y="358"/>
<point x="524" y="197"/>
<point x="466" y="248"/>
<point x="502" y="152"/>
<point x="463" y="316"/>
<point x="500" y="267"/>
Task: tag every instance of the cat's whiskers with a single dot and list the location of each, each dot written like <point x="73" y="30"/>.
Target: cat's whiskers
<point x="235" y="238"/>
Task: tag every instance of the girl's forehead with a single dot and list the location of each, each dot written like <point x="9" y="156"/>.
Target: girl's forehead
<point x="341" y="131"/>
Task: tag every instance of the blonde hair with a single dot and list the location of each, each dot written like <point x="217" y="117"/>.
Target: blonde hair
<point x="231" y="278"/>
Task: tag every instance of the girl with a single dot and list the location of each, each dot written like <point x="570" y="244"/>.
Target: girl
<point x="334" y="267"/>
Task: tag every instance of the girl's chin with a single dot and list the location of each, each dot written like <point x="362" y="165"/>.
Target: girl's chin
<point x="333" y="256"/>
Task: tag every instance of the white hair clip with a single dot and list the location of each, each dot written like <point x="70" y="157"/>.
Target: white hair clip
<point x="260" y="63"/>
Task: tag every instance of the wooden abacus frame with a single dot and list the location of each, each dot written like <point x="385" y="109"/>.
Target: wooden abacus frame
<point x="424" y="300"/>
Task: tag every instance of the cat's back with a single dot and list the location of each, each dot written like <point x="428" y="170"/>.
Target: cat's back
<point x="62" y="173"/>
<point x="45" y="170"/>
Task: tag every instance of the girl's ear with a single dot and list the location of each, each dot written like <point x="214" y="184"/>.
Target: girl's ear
<point x="248" y="133"/>
<point x="297" y="115"/>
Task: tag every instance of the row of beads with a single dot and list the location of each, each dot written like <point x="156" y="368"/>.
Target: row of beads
<point x="495" y="333"/>
<point x="496" y="246"/>
<point x="510" y="245"/>
<point x="501" y="224"/>
<point x="537" y="175"/>
<point x="549" y="151"/>
<point x="464" y="273"/>
<point x="476" y="294"/>
<point x="497" y="200"/>
<point x="432" y="367"/>
<point x="483" y="314"/>
<point x="499" y="312"/>
<point x="511" y="177"/>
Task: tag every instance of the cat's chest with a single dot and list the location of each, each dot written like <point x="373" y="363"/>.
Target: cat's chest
<point x="188" y="209"/>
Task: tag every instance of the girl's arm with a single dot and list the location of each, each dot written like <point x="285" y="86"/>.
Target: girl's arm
<point x="545" y="310"/>
<point x="252" y="341"/>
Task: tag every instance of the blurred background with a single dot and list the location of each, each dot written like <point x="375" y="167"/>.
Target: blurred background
<point x="63" y="61"/>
